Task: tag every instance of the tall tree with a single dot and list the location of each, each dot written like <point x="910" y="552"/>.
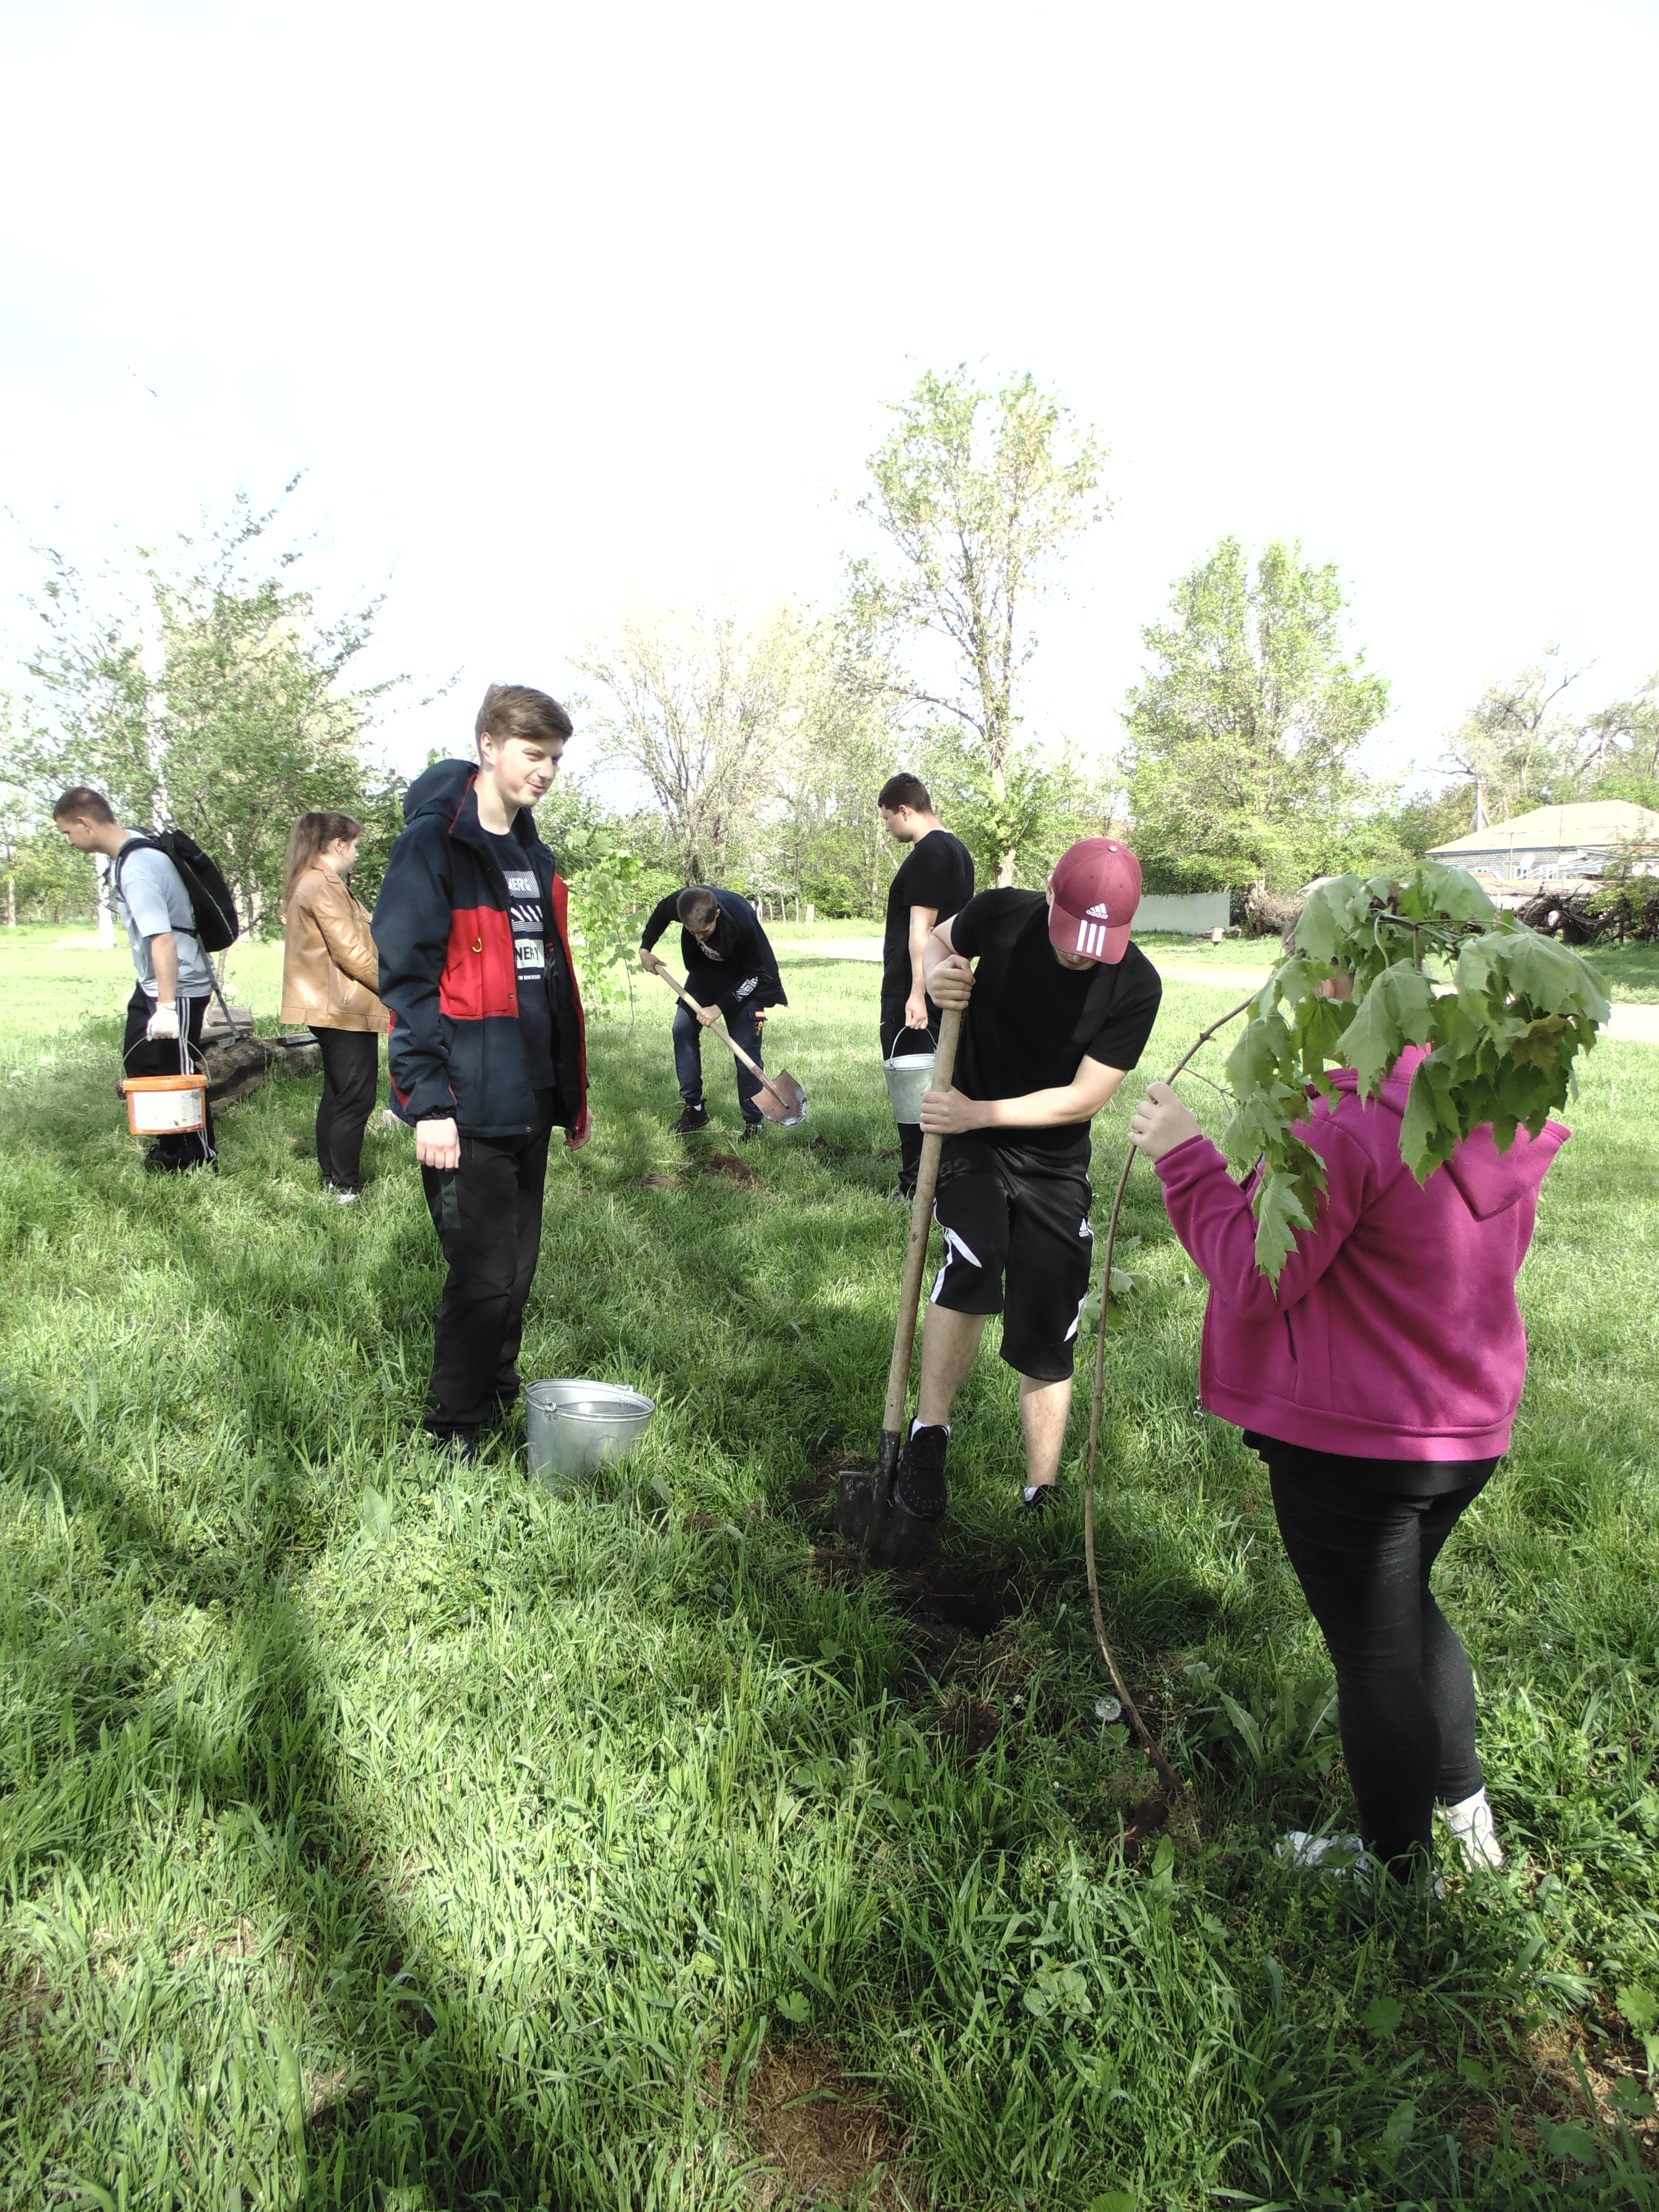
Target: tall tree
<point x="203" y="689"/>
<point x="1243" y="735"/>
<point x="976" y="494"/>
<point x="1517" y="744"/>
<point x="695" y="710"/>
<point x="1618" y="747"/>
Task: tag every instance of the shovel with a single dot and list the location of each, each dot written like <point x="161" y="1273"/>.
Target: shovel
<point x="867" y="1510"/>
<point x="781" y="1099"/>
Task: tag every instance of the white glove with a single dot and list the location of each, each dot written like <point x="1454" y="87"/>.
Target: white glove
<point x="163" y="1022"/>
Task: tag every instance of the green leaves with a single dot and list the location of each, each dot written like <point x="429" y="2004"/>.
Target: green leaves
<point x="1398" y="1010"/>
<point x="1502" y="1038"/>
<point x="1382" y="2017"/>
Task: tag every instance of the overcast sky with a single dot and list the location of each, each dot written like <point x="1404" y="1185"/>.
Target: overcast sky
<point x="572" y="310"/>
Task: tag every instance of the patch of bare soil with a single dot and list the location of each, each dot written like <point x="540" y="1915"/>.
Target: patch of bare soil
<point x="822" y="2139"/>
<point x="824" y="1145"/>
<point x="662" y="1182"/>
<point x="729" y="1165"/>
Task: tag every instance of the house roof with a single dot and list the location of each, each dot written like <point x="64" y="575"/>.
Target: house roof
<point x="1587" y="822"/>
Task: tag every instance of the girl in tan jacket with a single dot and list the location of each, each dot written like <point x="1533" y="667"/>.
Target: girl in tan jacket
<point x="329" y="971"/>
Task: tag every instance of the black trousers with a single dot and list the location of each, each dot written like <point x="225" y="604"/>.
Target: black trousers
<point x="194" y="1148"/>
<point x="1405" y="1692"/>
<point x="744" y="1023"/>
<point x="895" y="1043"/>
<point x="487" y="1214"/>
<point x="351" y="1067"/>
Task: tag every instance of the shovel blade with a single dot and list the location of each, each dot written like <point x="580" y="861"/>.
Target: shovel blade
<point x="781" y="1099"/>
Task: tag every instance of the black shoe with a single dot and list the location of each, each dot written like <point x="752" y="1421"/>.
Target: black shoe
<point x="898" y="1539"/>
<point x="1039" y="1496"/>
<point x="460" y="1445"/>
<point x="692" y="1118"/>
<point x="750" y="1131"/>
<point x="919" y="1485"/>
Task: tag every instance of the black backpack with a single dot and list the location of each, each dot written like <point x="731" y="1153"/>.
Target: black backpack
<point x="212" y="906"/>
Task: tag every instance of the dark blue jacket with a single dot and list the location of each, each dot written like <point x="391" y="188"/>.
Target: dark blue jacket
<point x="736" y="963"/>
<point x="443" y="928"/>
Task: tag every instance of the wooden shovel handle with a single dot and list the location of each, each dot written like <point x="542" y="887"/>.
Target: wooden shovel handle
<point x="915" y="1253"/>
<point x="719" y="1027"/>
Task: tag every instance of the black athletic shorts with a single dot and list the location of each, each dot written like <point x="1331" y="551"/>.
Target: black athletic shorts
<point x="1012" y="1212"/>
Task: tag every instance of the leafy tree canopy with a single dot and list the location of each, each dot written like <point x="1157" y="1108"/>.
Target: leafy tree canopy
<point x="203" y="689"/>
<point x="1244" y="731"/>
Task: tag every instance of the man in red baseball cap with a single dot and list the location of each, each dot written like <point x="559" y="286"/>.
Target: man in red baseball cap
<point x="1058" y="1009"/>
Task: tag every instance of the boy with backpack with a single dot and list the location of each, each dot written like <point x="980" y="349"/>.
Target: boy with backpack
<point x="176" y="910"/>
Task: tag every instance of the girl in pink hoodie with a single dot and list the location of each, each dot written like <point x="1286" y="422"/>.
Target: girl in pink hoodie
<point x="1380" y="1419"/>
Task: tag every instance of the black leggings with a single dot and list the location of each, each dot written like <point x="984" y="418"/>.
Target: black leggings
<point x="1405" y="1693"/>
<point x="351" y="1063"/>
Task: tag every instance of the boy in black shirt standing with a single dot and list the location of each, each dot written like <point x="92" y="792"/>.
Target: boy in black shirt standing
<point x="935" y="882"/>
<point x="1059" y="1010"/>
<point x="487" y="1053"/>
<point x="730" y="969"/>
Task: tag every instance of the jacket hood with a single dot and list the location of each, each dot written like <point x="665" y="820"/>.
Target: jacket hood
<point x="1487" y="1180"/>
<point x="439" y="789"/>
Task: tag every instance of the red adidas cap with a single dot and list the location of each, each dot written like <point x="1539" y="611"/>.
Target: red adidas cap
<point x="1097" y="886"/>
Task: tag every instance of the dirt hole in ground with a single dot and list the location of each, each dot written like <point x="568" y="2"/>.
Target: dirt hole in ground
<point x="821" y="2137"/>
<point x="824" y="1145"/>
<point x="973" y="1722"/>
<point x="950" y="1593"/>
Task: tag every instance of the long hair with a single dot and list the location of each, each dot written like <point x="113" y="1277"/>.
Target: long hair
<point x="310" y="835"/>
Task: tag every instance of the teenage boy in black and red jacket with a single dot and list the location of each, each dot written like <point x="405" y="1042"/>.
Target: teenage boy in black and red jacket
<point x="486" y="1048"/>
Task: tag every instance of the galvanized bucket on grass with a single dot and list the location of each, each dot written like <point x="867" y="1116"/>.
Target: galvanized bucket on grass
<point x="907" y="1076"/>
<point x="576" y="1426"/>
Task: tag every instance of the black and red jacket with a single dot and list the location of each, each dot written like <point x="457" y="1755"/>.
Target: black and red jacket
<point x="443" y="928"/>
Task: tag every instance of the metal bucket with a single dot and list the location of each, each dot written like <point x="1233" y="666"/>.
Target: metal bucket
<point x="576" y="1426"/>
<point x="907" y="1077"/>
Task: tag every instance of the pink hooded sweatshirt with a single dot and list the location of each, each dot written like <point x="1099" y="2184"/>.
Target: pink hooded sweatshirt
<point x="1394" y="1332"/>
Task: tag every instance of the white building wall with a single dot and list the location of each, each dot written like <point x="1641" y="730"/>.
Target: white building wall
<point x="1191" y="913"/>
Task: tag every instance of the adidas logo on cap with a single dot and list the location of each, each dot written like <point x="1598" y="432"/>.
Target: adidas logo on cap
<point x="1098" y="913"/>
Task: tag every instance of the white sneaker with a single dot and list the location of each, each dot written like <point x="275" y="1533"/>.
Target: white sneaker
<point x="1474" y="1831"/>
<point x="1339" y="1855"/>
<point x="344" y="1197"/>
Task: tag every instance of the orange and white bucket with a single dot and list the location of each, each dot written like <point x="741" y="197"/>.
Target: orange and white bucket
<point x="165" y="1105"/>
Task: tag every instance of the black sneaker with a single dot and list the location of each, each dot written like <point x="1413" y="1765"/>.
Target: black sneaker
<point x="919" y="1484"/>
<point x="750" y="1131"/>
<point x="460" y="1445"/>
<point x="692" y="1118"/>
<point x="1039" y="1496"/>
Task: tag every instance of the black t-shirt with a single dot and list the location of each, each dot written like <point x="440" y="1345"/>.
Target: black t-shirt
<point x="535" y="958"/>
<point x="938" y="871"/>
<point x="1031" y="1022"/>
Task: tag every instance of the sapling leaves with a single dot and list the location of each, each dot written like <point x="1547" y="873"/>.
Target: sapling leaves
<point x="1502" y="1039"/>
<point x="1398" y="1010"/>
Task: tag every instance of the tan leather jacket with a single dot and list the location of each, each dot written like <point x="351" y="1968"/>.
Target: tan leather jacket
<point x="329" y="966"/>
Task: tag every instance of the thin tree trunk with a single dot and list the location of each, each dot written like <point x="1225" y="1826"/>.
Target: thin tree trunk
<point x="11" y="902"/>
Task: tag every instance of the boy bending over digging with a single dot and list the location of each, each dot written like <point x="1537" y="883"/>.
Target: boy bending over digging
<point x="1059" y="1010"/>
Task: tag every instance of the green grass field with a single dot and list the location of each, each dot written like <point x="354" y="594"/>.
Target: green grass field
<point x="377" y="1833"/>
